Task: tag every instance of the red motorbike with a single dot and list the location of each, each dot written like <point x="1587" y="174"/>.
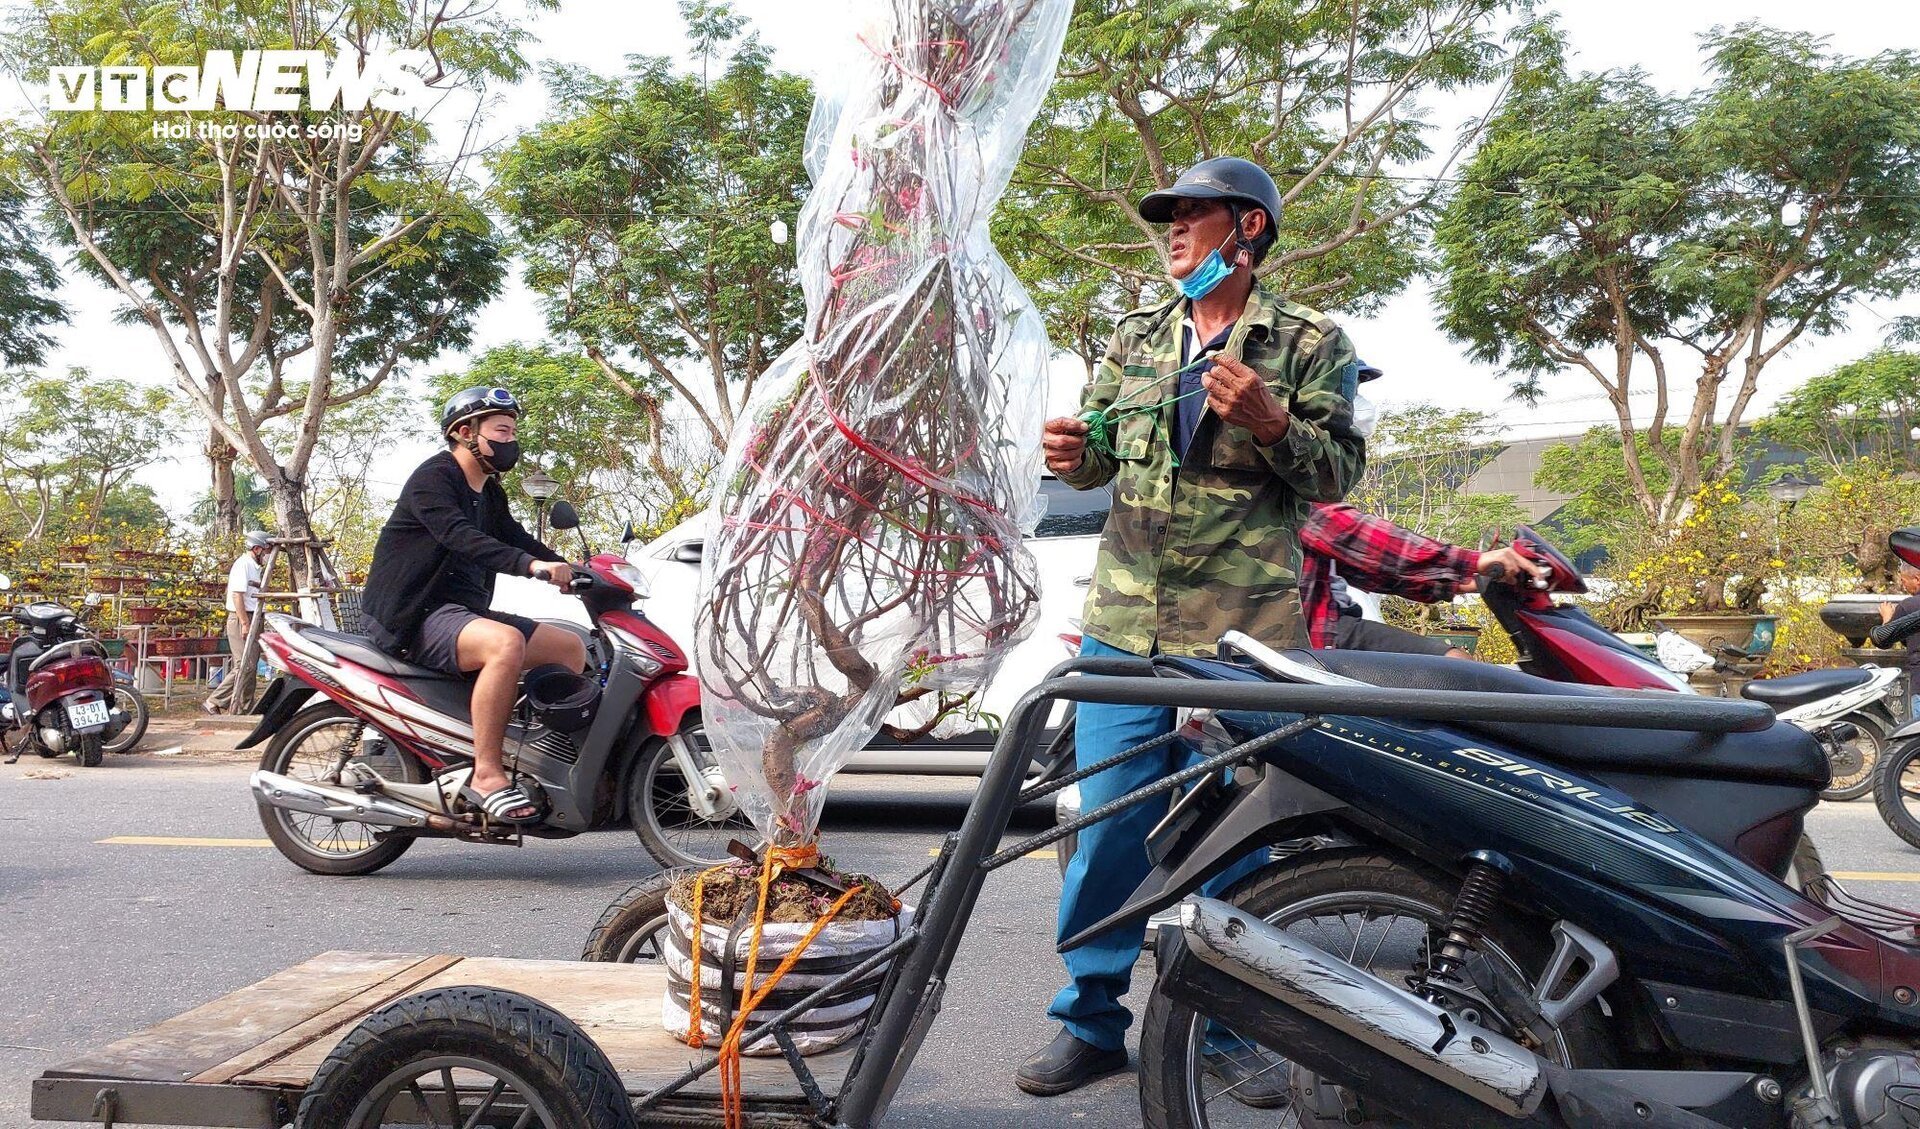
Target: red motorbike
<point x="349" y="782"/>
<point x="59" y="690"/>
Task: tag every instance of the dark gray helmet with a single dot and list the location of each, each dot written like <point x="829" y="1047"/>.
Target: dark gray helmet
<point x="471" y="403"/>
<point x="1238" y="181"/>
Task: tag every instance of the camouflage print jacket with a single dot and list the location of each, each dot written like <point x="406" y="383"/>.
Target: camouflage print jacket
<point x="1193" y="551"/>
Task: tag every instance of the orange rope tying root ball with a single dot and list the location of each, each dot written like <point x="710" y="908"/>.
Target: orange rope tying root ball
<point x="772" y="864"/>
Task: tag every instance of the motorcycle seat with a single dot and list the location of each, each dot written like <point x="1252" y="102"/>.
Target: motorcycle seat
<point x="1779" y="754"/>
<point x="360" y="650"/>
<point x="1793" y="690"/>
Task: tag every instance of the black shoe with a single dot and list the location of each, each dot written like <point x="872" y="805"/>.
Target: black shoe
<point x="1067" y="1063"/>
<point x="1251" y="1076"/>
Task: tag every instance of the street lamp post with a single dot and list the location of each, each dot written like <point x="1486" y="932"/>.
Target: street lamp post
<point x="1787" y="490"/>
<point x="540" y="486"/>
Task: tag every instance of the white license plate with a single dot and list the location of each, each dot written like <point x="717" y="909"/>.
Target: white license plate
<point x="87" y="715"/>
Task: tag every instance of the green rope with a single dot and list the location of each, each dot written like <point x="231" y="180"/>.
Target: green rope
<point x="1102" y="422"/>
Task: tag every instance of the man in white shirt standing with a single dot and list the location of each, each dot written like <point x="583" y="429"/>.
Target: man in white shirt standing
<point x="243" y="600"/>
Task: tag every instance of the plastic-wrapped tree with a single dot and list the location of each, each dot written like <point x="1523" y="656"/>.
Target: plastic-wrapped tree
<point x="867" y="547"/>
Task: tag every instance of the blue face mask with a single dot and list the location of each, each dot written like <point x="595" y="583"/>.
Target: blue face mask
<point x="1212" y="271"/>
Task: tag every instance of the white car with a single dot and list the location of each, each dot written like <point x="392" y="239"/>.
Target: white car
<point x="1064" y="545"/>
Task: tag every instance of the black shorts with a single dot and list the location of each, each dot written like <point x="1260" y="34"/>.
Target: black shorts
<point x="438" y="648"/>
<point x="1351" y="633"/>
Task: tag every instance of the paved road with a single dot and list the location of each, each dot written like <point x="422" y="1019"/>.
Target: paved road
<point x="100" y="939"/>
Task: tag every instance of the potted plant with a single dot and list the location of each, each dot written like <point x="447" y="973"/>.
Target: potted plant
<point x="143" y="614"/>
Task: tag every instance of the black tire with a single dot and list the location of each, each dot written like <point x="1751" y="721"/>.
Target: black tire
<point x="292" y="832"/>
<point x="662" y="812"/>
<point x="633" y="928"/>
<point x="1893" y="791"/>
<point x="88" y="749"/>
<point x="1168" y="1028"/>
<point x="135" y="705"/>
<point x="1854" y="761"/>
<point x="542" y="1057"/>
<point x="1807" y="863"/>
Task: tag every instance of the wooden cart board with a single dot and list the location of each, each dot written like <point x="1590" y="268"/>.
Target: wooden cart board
<point x="244" y="1059"/>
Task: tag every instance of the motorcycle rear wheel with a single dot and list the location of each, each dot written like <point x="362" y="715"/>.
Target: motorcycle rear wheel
<point x="1854" y="760"/>
<point x="135" y="705"/>
<point x="88" y="749"/>
<point x="1321" y="890"/>
<point x="314" y="746"/>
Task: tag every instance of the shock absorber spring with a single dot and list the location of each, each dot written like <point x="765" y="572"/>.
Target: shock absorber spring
<point x="1472" y="909"/>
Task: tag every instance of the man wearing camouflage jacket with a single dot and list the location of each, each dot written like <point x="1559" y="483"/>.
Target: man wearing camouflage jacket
<point x="1224" y="413"/>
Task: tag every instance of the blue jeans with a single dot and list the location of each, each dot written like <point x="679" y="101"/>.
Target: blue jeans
<point x="1110" y="861"/>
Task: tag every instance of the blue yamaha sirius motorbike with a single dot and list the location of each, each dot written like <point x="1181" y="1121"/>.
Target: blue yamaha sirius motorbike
<point x="1505" y="901"/>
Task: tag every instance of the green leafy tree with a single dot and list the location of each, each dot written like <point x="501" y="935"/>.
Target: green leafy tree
<point x="643" y="214"/>
<point x="27" y="280"/>
<point x="1606" y="228"/>
<point x="1867" y="407"/>
<point x="1603" y="512"/>
<point x="1423" y="457"/>
<point x="294" y="266"/>
<point x="1327" y="97"/>
<point x="69" y="445"/>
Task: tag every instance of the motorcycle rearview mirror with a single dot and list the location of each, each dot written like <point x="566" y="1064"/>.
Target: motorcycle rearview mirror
<point x="6" y="582"/>
<point x="563" y="515"/>
<point x="95" y="599"/>
<point x="629" y="537"/>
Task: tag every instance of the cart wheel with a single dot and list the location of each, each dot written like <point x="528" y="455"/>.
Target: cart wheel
<point x="467" y="1057"/>
<point x="634" y="928"/>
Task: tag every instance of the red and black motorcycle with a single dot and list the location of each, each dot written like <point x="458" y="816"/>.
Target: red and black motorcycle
<point x="59" y="691"/>
<point x="349" y="782"/>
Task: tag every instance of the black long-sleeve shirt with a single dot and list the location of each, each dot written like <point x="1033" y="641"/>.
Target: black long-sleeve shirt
<point x="443" y="544"/>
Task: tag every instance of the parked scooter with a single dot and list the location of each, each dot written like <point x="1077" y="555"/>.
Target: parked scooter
<point x="59" y="690"/>
<point x="348" y="783"/>
<point x="1849" y="712"/>
<point x="1544" y="920"/>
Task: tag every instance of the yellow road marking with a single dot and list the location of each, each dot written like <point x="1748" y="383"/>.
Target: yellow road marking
<point x="1046" y="853"/>
<point x="1876" y="875"/>
<point x="181" y="841"/>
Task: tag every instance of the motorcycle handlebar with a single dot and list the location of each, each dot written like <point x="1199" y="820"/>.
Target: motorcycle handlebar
<point x="582" y="578"/>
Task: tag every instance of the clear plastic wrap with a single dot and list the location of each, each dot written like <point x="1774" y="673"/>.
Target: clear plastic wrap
<point x="867" y="543"/>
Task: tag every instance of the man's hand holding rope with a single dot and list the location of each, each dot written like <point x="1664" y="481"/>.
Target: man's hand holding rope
<point x="1240" y="398"/>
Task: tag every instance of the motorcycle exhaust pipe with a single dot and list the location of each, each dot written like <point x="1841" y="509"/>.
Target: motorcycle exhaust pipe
<point x="275" y="790"/>
<point x="1368" y="1031"/>
<point x="1390" y="1047"/>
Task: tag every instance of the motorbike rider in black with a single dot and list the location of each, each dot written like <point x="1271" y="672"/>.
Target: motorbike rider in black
<point x="431" y="583"/>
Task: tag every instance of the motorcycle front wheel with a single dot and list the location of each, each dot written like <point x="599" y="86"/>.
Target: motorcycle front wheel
<point x="660" y="806"/>
<point x="1896" y="790"/>
<point x="1385" y="913"/>
<point x="315" y="746"/>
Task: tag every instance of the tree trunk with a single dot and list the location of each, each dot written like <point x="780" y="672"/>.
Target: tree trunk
<point x="226" y="504"/>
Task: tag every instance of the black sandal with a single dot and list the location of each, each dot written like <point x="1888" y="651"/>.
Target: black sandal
<point x="499" y="805"/>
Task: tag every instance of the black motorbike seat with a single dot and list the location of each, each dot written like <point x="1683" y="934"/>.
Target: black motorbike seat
<point x="43" y="616"/>
<point x="1798" y="689"/>
<point x="1779" y="754"/>
<point x="359" y="649"/>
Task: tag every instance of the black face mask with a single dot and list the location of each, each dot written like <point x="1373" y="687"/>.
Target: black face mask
<point x="505" y="454"/>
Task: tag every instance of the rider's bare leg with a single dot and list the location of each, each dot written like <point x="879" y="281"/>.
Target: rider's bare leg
<point x="550" y="644"/>
<point x="499" y="653"/>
